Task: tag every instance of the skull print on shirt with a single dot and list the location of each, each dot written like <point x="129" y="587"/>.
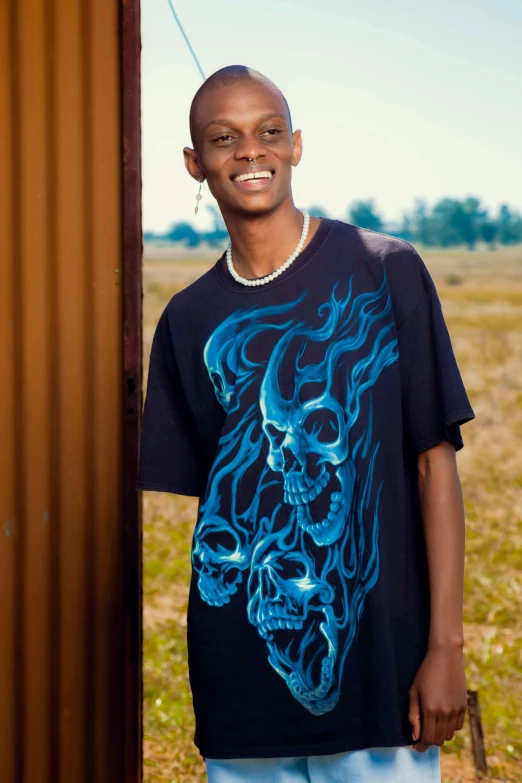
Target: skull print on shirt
<point x="291" y="510"/>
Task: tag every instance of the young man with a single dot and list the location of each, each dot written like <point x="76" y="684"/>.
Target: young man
<point x="306" y="391"/>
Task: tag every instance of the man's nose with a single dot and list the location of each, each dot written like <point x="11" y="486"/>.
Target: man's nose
<point x="249" y="148"/>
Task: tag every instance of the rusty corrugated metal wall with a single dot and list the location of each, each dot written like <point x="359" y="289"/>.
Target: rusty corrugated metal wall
<point x="64" y="617"/>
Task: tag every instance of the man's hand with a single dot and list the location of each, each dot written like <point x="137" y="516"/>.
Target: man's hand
<point x="438" y="697"/>
<point x="438" y="692"/>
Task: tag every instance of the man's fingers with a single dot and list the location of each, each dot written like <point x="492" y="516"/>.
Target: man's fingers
<point x="420" y="747"/>
<point x="460" y="719"/>
<point x="441" y="729"/>
<point x="414" y="714"/>
<point x="429" y="724"/>
<point x="452" y="727"/>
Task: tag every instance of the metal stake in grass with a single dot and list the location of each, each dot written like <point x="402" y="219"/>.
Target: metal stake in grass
<point x="477" y="735"/>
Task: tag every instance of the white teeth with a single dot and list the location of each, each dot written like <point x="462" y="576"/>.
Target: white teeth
<point x="253" y="175"/>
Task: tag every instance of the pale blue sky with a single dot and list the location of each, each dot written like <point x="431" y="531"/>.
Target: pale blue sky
<point x="395" y="100"/>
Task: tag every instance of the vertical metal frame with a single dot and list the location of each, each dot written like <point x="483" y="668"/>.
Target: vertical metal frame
<point x="132" y="248"/>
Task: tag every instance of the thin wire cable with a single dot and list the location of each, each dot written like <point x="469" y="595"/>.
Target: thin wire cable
<point x="183" y="33"/>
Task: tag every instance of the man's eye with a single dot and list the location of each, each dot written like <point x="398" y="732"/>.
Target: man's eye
<point x="272" y="131"/>
<point x="224" y="137"/>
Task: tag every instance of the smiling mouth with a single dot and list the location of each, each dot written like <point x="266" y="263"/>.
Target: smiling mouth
<point x="254" y="176"/>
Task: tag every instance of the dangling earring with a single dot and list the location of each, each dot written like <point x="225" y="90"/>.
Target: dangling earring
<point x="198" y="198"/>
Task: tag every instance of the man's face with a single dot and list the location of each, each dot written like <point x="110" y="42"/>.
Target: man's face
<point x="235" y="123"/>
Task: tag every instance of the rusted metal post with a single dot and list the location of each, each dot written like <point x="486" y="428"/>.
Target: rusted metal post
<point x="132" y="365"/>
<point x="477" y="735"/>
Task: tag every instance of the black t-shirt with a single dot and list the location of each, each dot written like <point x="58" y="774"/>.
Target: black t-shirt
<point x="295" y="411"/>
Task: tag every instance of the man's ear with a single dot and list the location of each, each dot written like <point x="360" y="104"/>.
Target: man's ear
<point x="297" y="145"/>
<point x="192" y="164"/>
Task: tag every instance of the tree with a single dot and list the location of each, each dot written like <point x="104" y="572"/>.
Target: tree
<point x="183" y="233"/>
<point x="406" y="229"/>
<point x="422" y="224"/>
<point x="470" y="219"/>
<point x="488" y="232"/>
<point x="509" y="226"/>
<point x="458" y="222"/>
<point x="219" y="232"/>
<point x="362" y="213"/>
<point x="445" y="215"/>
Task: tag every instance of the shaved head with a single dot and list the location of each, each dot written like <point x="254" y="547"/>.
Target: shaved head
<point x="227" y="77"/>
<point x="240" y="124"/>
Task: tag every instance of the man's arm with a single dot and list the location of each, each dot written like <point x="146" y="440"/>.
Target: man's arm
<point x="438" y="692"/>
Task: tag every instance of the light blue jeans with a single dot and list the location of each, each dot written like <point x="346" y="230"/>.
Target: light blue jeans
<point x="377" y="765"/>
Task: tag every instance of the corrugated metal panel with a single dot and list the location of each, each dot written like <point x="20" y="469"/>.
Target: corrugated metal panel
<point x="62" y="540"/>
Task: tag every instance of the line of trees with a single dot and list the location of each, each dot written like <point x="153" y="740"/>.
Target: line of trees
<point x="186" y="234"/>
<point x="449" y="223"/>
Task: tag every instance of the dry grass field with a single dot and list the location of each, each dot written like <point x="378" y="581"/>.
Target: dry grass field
<point x="481" y="294"/>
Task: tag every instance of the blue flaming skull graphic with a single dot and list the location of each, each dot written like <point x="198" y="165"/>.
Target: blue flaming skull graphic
<point x="291" y="507"/>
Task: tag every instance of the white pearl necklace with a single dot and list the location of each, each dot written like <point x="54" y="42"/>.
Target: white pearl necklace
<point x="279" y="270"/>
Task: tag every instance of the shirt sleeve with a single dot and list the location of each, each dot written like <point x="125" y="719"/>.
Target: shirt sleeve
<point x="171" y="458"/>
<point x="434" y="401"/>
